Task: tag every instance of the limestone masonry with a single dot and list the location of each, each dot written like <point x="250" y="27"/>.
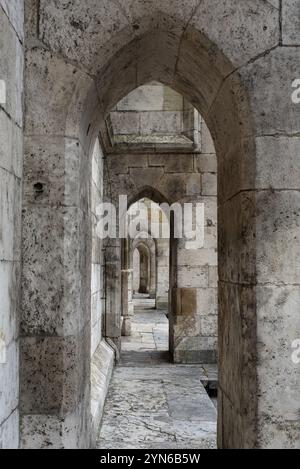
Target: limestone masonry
<point x="171" y="101"/>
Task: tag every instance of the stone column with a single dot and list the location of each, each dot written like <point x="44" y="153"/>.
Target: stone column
<point x="152" y="283"/>
<point x="126" y="286"/>
<point x="113" y="293"/>
<point x="194" y="283"/>
<point x="162" y="269"/>
<point x="144" y="270"/>
<point x="127" y="302"/>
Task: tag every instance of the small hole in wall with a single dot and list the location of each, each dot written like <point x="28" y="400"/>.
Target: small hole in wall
<point x="89" y="128"/>
<point x="39" y="188"/>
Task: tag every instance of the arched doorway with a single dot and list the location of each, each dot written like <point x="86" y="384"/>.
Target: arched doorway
<point x="148" y="247"/>
<point x="69" y="89"/>
<point x="144" y="286"/>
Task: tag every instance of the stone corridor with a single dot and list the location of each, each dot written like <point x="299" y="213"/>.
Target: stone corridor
<point x="187" y="114"/>
<point x="151" y="403"/>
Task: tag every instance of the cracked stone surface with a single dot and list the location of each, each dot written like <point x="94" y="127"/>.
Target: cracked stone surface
<point x="152" y="403"/>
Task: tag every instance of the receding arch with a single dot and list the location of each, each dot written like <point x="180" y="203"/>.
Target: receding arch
<point x="147" y="192"/>
<point x="150" y="244"/>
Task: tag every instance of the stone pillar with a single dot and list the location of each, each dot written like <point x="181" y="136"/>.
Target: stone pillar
<point x="136" y="270"/>
<point x="259" y="249"/>
<point x="113" y="293"/>
<point x="144" y="270"/>
<point x="55" y="324"/>
<point x="127" y="302"/>
<point x="162" y="269"/>
<point x="152" y="282"/>
<point x="126" y="286"/>
<point x="194" y="283"/>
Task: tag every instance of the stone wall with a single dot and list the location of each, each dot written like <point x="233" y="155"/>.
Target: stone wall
<point x="98" y="267"/>
<point x="102" y="354"/>
<point x="180" y="177"/>
<point x="11" y="165"/>
<point x="80" y="61"/>
<point x="154" y="114"/>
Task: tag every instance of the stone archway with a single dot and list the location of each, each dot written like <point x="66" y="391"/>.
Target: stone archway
<point x="144" y="269"/>
<point x="148" y="244"/>
<point x="228" y="75"/>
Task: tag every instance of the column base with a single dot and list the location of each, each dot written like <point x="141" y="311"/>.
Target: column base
<point x="126" y="327"/>
<point x="196" y="350"/>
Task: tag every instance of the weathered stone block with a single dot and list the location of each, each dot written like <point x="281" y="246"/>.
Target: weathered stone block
<point x="209" y="184"/>
<point x="196" y="350"/>
<point x="111" y="91"/>
<point x="187" y="76"/>
<point x="252" y="30"/>
<point x="151" y="177"/>
<point x="278" y="162"/>
<point x="193" y="185"/>
<point x="213" y="277"/>
<point x="101" y="372"/>
<point x="44" y="84"/>
<point x="197" y="257"/>
<point x="159" y="14"/>
<point x="55" y="295"/>
<point x="56" y="172"/>
<point x="278" y="237"/>
<point x="10" y="216"/>
<point x="210" y="237"/>
<point x="120" y="164"/>
<point x="276" y="333"/>
<point x="125" y="123"/>
<point x="161" y="122"/>
<point x="238" y="167"/>
<point x="173" y="187"/>
<point x="278" y="375"/>
<point x="96" y="336"/>
<point x="9" y="432"/>
<point x="51" y="431"/>
<point x="207" y="144"/>
<point x="11" y="66"/>
<point x="237" y="380"/>
<point x="206" y="163"/>
<point x="236" y="243"/>
<point x="192" y="277"/>
<point x="291" y="22"/>
<point x="186" y="303"/>
<point x="15" y="12"/>
<point x="207" y="303"/>
<point x="9" y="382"/>
<point x="54" y="373"/>
<point x="209" y="326"/>
<point x="173" y="163"/>
<point x="273" y="75"/>
<point x="10" y="300"/>
<point x="65" y="30"/>
<point x="11" y="145"/>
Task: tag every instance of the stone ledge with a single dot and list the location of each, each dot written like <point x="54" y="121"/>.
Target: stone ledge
<point x="101" y="371"/>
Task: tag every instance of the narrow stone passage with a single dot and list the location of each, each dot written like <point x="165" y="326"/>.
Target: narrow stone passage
<point x="152" y="403"/>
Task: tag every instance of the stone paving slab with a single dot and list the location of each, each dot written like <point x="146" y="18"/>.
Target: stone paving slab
<point x="153" y="404"/>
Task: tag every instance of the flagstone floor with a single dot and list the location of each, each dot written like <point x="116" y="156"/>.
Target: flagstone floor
<point x="153" y="404"/>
